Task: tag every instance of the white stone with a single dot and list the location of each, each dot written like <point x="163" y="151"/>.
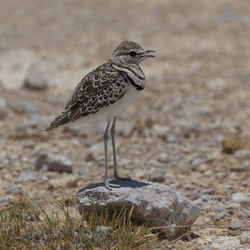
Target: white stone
<point x="35" y="79"/>
<point x="14" y="65"/>
<point x="240" y="198"/>
<point x="243" y="154"/>
<point x="219" y="242"/>
<point x="157" y="202"/>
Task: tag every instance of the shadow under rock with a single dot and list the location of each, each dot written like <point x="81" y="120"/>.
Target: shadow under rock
<point x="130" y="184"/>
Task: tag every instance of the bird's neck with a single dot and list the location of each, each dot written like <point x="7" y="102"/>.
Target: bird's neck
<point x="133" y="72"/>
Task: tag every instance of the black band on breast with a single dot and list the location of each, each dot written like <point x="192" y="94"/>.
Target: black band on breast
<point x="130" y="80"/>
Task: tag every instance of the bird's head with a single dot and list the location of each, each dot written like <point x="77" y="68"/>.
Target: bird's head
<point x="127" y="53"/>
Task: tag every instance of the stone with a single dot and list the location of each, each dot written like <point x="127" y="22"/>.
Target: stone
<point x="3" y="114"/>
<point x="156" y="177"/>
<point x="35" y="79"/>
<point x="102" y="231"/>
<point x="24" y="107"/>
<point x="219" y="209"/>
<point x="3" y="106"/>
<point x="139" y="174"/>
<point x="215" y="242"/>
<point x="54" y="163"/>
<point x="28" y="144"/>
<point x="216" y="83"/>
<point x="243" y="154"/>
<point x="26" y="176"/>
<point x="208" y="191"/>
<point x="231" y="144"/>
<point x="14" y="66"/>
<point x="125" y="128"/>
<point x="163" y="158"/>
<point x="238" y="225"/>
<point x="177" y="102"/>
<point x="3" y="103"/>
<point x="154" y="201"/>
<point x="188" y="127"/>
<point x="220" y="215"/>
<point x="6" y="199"/>
<point x="208" y="173"/>
<point x="171" y="138"/>
<point x="205" y="206"/>
<point x="14" y="189"/>
<point x="245" y="238"/>
<point x="239" y="168"/>
<point x="219" y="138"/>
<point x="241" y="198"/>
<point x="197" y="162"/>
<point x="66" y="181"/>
<point x="75" y="143"/>
<point x="161" y="131"/>
<point x="35" y="121"/>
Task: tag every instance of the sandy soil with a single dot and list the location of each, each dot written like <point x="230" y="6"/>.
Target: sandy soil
<point x="197" y="95"/>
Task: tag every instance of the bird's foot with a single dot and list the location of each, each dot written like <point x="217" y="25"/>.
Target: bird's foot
<point x="117" y="177"/>
<point x="110" y="185"/>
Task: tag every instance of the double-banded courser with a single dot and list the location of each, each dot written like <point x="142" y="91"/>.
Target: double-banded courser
<point x="105" y="91"/>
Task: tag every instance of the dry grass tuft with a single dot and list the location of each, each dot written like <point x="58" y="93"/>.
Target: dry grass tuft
<point x="27" y="225"/>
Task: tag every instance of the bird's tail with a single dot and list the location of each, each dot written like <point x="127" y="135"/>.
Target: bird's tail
<point x="59" y="120"/>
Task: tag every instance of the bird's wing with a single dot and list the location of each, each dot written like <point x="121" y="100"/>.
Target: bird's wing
<point x="101" y="87"/>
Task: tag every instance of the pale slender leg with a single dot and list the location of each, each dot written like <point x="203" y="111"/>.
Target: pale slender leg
<point x="105" y="139"/>
<point x="112" y="131"/>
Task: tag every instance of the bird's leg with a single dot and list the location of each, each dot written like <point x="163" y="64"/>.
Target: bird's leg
<point x="105" y="139"/>
<point x="112" y="132"/>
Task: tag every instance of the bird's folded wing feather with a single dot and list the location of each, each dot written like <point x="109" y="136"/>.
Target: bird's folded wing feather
<point x="101" y="87"/>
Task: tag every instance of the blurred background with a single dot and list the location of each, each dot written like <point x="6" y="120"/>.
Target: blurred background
<point x="190" y="127"/>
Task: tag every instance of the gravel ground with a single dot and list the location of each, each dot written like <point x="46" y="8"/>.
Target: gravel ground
<point x="188" y="129"/>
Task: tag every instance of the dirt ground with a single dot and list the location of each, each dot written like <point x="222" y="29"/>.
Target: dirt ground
<point x="195" y="101"/>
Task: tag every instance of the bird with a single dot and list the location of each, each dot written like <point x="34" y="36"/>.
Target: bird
<point x="106" y="91"/>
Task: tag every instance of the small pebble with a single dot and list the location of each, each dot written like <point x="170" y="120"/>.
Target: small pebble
<point x="237" y="225"/>
<point x="53" y="162"/>
<point x="245" y="238"/>
<point x="35" y="79"/>
<point x="157" y="177"/>
<point x="3" y="103"/>
<point x="6" y="199"/>
<point x="240" y="198"/>
<point x="26" y="176"/>
<point x="243" y="154"/>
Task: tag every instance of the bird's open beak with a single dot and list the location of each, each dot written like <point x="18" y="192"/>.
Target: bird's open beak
<point x="147" y="54"/>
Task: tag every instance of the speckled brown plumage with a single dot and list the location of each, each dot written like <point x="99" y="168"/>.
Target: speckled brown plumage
<point x="101" y="87"/>
<point x="105" y="91"/>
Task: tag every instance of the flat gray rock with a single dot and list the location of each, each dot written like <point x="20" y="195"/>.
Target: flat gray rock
<point x="54" y="163"/>
<point x="35" y="79"/>
<point x="153" y="202"/>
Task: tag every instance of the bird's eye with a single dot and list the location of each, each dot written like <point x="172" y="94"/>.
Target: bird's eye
<point x="132" y="53"/>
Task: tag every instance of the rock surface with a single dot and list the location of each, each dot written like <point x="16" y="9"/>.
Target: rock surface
<point x="3" y="106"/>
<point x="157" y="202"/>
<point x="35" y="79"/>
<point x="24" y="106"/>
<point x="66" y="181"/>
<point x="3" y="103"/>
<point x="54" y="163"/>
